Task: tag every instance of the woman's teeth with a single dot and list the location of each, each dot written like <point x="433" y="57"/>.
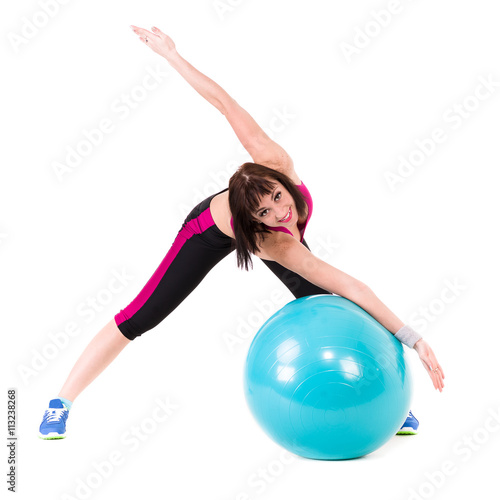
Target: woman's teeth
<point x="286" y="216"/>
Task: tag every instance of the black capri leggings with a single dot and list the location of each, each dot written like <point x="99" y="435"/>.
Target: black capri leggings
<point x="198" y="247"/>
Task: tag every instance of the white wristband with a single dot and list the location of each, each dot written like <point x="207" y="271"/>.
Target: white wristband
<point x="408" y="336"/>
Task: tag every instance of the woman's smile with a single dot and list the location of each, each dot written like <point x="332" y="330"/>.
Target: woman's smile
<point x="287" y="217"/>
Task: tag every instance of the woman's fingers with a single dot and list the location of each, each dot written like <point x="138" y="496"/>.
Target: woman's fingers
<point x="432" y="366"/>
<point x="439" y="371"/>
<point x="430" y="363"/>
<point x="438" y="378"/>
<point x="433" y="376"/>
<point x="156" y="40"/>
<point x="157" y="31"/>
<point x="143" y="33"/>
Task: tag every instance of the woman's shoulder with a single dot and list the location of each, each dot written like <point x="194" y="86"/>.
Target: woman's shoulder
<point x="269" y="242"/>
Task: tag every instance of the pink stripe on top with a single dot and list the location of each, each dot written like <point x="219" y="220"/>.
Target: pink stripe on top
<point x="192" y="227"/>
<point x="302" y="227"/>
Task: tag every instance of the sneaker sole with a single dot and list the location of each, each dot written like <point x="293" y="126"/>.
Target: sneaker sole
<point x="406" y="431"/>
<point x="52" y="435"/>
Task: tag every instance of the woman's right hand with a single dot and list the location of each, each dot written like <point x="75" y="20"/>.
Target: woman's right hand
<point x="157" y="41"/>
<point x="428" y="359"/>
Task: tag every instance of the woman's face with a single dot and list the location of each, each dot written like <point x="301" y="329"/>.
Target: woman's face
<point x="278" y="208"/>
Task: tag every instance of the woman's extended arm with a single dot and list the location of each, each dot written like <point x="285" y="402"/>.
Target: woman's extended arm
<point x="291" y="254"/>
<point x="259" y="145"/>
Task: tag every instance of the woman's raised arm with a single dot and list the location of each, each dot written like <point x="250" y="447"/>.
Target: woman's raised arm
<point x="259" y="145"/>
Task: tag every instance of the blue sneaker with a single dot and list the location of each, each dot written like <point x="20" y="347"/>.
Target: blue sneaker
<point x="410" y="426"/>
<point x="53" y="425"/>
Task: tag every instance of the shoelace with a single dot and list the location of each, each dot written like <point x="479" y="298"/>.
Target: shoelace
<point x="54" y="414"/>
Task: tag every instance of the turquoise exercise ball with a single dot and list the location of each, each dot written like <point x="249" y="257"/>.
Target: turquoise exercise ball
<point x="325" y="380"/>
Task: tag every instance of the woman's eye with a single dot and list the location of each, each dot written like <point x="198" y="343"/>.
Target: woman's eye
<point x="276" y="198"/>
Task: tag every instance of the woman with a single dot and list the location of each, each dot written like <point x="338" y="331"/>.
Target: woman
<point x="264" y="212"/>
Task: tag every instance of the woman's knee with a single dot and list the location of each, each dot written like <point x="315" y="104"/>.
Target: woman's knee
<point x="126" y="327"/>
<point x="115" y="332"/>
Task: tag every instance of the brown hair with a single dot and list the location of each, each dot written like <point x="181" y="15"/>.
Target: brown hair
<point x="246" y="186"/>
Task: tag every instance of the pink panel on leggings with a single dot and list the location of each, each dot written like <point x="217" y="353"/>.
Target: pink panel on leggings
<point x="194" y="226"/>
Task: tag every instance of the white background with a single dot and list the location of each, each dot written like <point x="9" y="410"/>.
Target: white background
<point x="120" y="208"/>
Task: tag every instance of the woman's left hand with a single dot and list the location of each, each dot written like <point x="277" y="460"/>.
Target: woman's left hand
<point x="430" y="363"/>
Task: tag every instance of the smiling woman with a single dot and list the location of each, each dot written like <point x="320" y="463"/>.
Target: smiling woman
<point x="263" y="212"/>
<point x="258" y="197"/>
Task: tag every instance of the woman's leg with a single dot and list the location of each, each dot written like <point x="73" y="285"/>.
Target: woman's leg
<point x="103" y="349"/>
<point x="198" y="247"/>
